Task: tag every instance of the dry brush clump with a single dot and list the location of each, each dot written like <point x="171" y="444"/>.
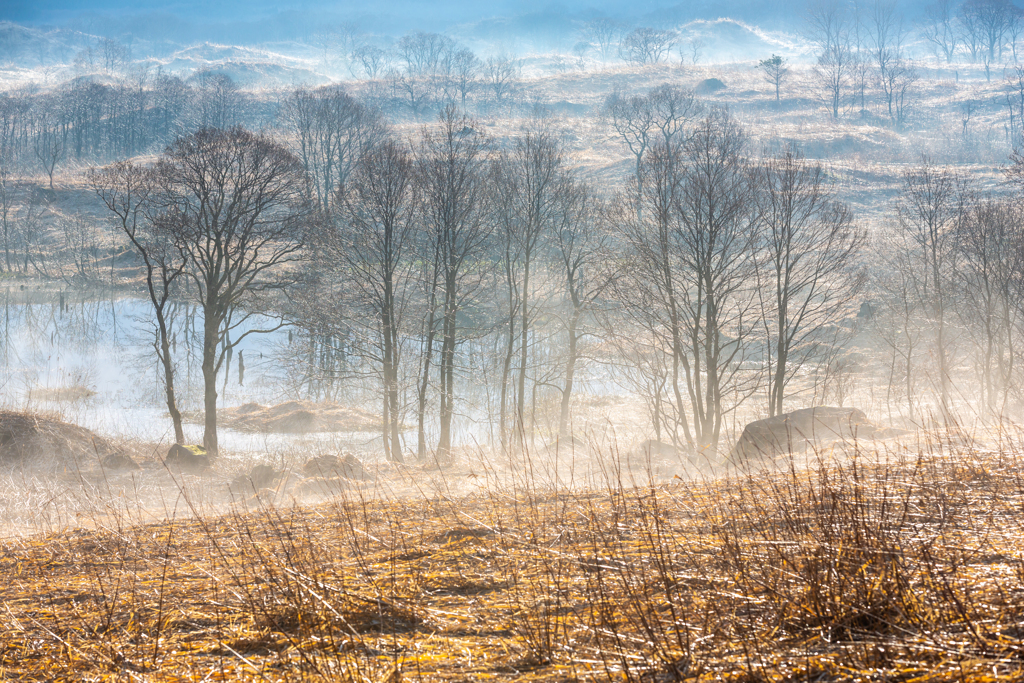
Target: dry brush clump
<point x="902" y="564"/>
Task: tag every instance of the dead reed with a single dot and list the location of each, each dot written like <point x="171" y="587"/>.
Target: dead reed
<point x="901" y="565"/>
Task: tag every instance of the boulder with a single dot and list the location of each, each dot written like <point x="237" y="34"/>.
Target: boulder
<point x="347" y="466"/>
<point x="796" y="431"/>
<point x="191" y="457"/>
<point x="263" y="476"/>
<point x="29" y="438"/>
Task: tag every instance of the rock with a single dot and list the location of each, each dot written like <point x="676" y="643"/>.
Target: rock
<point x="708" y="86"/>
<point x="347" y="466"/>
<point x="119" y="461"/>
<point x="29" y="438"/>
<point x="796" y="431"/>
<point x="190" y="457"/>
<point x="263" y="476"/>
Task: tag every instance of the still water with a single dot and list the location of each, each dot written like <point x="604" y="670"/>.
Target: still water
<point x="88" y="357"/>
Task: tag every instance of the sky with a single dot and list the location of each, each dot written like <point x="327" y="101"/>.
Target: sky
<point x="60" y="12"/>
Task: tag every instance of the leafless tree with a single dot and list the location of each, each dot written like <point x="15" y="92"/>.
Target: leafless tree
<point x="423" y="53"/>
<point x="833" y="74"/>
<point x="991" y="248"/>
<point x="930" y="210"/>
<point x="333" y="130"/>
<point x="462" y="70"/>
<point x="650" y="290"/>
<point x="646" y="45"/>
<point x="807" y="279"/>
<point x="1015" y="102"/>
<point x="985" y="23"/>
<point x="116" y="56"/>
<point x="887" y="35"/>
<point x="828" y="25"/>
<point x="372" y="239"/>
<point x="1015" y="29"/>
<point x="941" y="28"/>
<point x="588" y="268"/>
<point x="237" y="211"/>
<point x="48" y="145"/>
<point x="604" y="33"/>
<point x="531" y="175"/>
<point x="691" y="274"/>
<point x="897" y="82"/>
<point x="373" y="59"/>
<point x="8" y="208"/>
<point x="452" y="171"/>
<point x="502" y="75"/>
<point x="128" y="191"/>
<point x="668" y="110"/>
<point x="633" y="120"/>
<point x="673" y="111"/>
<point x="717" y="230"/>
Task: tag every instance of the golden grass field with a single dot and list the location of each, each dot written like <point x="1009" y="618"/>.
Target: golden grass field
<point x="899" y="563"/>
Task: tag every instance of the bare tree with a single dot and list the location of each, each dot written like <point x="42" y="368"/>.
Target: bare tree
<point x="774" y="71"/>
<point x="651" y="290"/>
<point x="807" y="278"/>
<point x="372" y="237"/>
<point x="333" y="130"/>
<point x="8" y="209"/>
<point x="833" y="74"/>
<point x="216" y="100"/>
<point x="940" y="28"/>
<point x="463" y="69"/>
<point x="373" y="59"/>
<point x="930" y="210"/>
<point x="423" y="53"/>
<point x="991" y="248"/>
<point x="689" y="280"/>
<point x="985" y="23"/>
<point x="1014" y="29"/>
<point x="646" y="45"/>
<point x="236" y="212"/>
<point x="828" y="25"/>
<point x="673" y="111"/>
<point x="452" y="172"/>
<point x="604" y="33"/>
<point x="128" y="192"/>
<point x="584" y="248"/>
<point x="717" y="230"/>
<point x="502" y="75"/>
<point x="633" y="120"/>
<point x="887" y="35"/>
<point x="668" y="110"/>
<point x="531" y="174"/>
<point x="48" y="146"/>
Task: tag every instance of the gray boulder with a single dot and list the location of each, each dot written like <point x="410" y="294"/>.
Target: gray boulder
<point x="797" y="431"/>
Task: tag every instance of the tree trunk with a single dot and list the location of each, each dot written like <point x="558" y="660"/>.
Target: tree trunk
<point x="570" y="373"/>
<point x="444" y="443"/>
<point x="210" y="383"/>
<point x="168" y="363"/>
<point x="421" y="407"/>
<point x="523" y="352"/>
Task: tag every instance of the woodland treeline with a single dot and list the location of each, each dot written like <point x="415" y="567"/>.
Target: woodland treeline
<point x="454" y="275"/>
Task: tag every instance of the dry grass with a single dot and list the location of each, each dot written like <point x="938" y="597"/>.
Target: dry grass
<point x="900" y="565"/>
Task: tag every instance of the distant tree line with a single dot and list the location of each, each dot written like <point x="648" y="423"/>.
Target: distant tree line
<point x="454" y="276"/>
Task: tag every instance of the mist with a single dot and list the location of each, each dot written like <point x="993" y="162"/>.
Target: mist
<point x="651" y="341"/>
